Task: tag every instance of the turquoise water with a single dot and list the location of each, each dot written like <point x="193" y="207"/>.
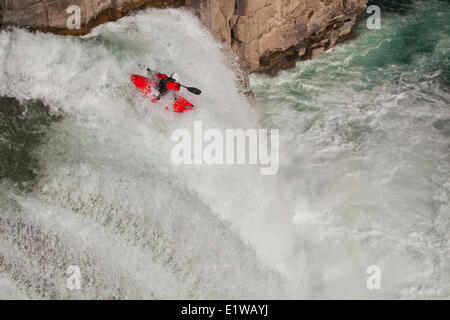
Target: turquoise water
<point x="364" y="176"/>
<point x="367" y="125"/>
<point x="411" y="48"/>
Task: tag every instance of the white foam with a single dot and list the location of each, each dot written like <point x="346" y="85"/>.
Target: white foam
<point x="360" y="172"/>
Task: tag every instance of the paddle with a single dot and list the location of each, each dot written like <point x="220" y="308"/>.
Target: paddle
<point x="190" y="89"/>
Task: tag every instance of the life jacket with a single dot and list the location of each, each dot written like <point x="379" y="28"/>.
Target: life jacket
<point x="166" y="83"/>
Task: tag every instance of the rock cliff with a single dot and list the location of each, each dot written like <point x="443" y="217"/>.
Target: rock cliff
<point x="271" y="35"/>
<point x="52" y="15"/>
<point x="268" y="35"/>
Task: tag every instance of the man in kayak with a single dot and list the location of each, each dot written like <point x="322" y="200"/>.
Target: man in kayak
<point x="167" y="83"/>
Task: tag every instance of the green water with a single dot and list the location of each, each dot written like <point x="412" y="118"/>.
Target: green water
<point x="367" y="128"/>
<point x="22" y="128"/>
<point x="409" y="55"/>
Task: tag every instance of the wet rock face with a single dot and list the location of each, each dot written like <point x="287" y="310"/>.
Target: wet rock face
<point x="271" y="35"/>
<point x="51" y="15"/>
<point x="268" y="35"/>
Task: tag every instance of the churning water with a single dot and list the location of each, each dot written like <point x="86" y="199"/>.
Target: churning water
<point x="364" y="177"/>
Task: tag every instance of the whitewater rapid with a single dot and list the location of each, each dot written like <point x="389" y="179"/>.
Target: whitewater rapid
<point x="364" y="175"/>
<point x="108" y="195"/>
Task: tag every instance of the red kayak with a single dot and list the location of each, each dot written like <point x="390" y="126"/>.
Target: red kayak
<point x="145" y="85"/>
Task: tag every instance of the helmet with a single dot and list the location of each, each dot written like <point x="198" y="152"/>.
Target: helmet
<point x="175" y="77"/>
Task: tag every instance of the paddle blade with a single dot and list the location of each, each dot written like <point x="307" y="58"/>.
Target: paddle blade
<point x="194" y="90"/>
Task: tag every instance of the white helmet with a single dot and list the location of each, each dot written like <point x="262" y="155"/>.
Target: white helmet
<point x="175" y="77"/>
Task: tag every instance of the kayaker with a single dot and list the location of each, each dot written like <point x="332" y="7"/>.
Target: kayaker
<point x="166" y="83"/>
<point x="171" y="83"/>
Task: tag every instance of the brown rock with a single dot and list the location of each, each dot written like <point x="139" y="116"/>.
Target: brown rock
<point x="301" y="52"/>
<point x="268" y="35"/>
<point x="51" y="15"/>
<point x="315" y="52"/>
